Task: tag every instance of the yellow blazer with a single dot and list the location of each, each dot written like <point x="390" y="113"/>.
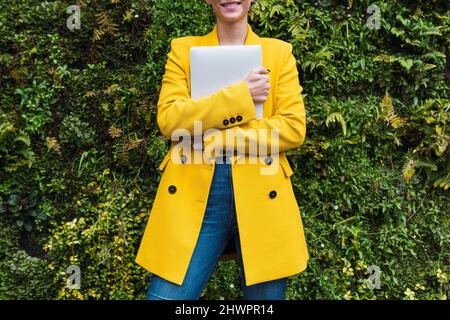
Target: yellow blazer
<point x="270" y="224"/>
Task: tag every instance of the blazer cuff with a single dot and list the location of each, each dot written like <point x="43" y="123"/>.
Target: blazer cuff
<point x="242" y="110"/>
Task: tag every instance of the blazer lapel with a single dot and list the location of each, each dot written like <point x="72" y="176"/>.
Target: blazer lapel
<point x="212" y="38"/>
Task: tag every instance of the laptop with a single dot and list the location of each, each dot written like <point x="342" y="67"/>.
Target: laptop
<point x="216" y="67"/>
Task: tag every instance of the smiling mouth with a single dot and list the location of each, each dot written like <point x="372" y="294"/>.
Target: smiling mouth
<point x="231" y="4"/>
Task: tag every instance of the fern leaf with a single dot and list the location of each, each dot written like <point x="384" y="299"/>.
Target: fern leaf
<point x="89" y="94"/>
<point x="52" y="144"/>
<point x="114" y="132"/>
<point x="112" y="88"/>
<point x="408" y="170"/>
<point x="98" y="33"/>
<point x="337" y="117"/>
<point x="24" y="138"/>
<point x="385" y="58"/>
<point x="412" y="164"/>
<point x="388" y="112"/>
<point x="442" y="182"/>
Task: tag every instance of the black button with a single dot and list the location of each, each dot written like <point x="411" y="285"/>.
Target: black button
<point x="172" y="189"/>
<point x="239" y="118"/>
<point x="225" y="122"/>
<point x="232" y="120"/>
<point x="235" y="152"/>
<point x="272" y="194"/>
<point x="268" y="160"/>
<point x="183" y="158"/>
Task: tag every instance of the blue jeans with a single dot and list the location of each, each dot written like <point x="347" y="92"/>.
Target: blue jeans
<point x="219" y="224"/>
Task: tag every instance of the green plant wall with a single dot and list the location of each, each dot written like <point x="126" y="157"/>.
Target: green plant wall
<point x="80" y="146"/>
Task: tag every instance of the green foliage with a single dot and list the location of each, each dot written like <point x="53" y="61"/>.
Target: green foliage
<point x="22" y="210"/>
<point x="101" y="237"/>
<point x="21" y="275"/>
<point x="80" y="146"/>
<point x="35" y="99"/>
<point x="75" y="132"/>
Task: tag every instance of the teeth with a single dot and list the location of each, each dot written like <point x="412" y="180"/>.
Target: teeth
<point x="230" y="4"/>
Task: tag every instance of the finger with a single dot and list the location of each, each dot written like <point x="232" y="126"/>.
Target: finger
<point x="261" y="93"/>
<point x="260" y="69"/>
<point x="261" y="76"/>
<point x="260" y="99"/>
<point x="261" y="82"/>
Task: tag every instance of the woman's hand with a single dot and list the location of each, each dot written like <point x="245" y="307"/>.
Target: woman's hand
<point x="258" y="83"/>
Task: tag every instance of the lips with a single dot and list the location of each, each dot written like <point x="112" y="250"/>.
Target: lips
<point x="231" y="4"/>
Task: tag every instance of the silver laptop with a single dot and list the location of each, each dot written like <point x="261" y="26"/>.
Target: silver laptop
<point x="216" y="67"/>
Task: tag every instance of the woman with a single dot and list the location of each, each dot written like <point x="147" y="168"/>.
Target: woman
<point x="199" y="206"/>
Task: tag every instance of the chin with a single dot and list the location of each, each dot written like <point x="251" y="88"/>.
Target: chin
<point x="235" y="12"/>
<point x="232" y="18"/>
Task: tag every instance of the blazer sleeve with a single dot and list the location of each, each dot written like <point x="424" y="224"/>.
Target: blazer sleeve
<point x="288" y="118"/>
<point x="176" y="109"/>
